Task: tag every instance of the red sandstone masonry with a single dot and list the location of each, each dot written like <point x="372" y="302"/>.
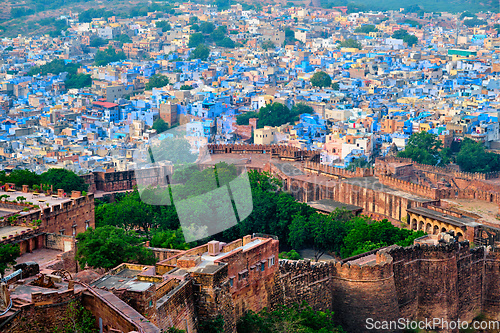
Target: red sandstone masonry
<point x="410" y="187"/>
<point x="331" y="171"/>
<point x="443" y="170"/>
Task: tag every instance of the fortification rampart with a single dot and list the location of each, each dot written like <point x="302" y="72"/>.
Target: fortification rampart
<point x="448" y="281"/>
<point x="381" y="167"/>
<point x="279" y="151"/>
<point x="425" y="191"/>
<point x="321" y="169"/>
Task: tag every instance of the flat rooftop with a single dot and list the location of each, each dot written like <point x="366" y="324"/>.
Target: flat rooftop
<point x="368" y="260"/>
<point x="39" y="199"/>
<point x="11" y="230"/>
<point x="486" y="210"/>
<point x="208" y="260"/>
<point x="7" y="211"/>
<point x="121" y="282"/>
<point x="443" y="217"/>
<point x="328" y="205"/>
<point x="373" y="183"/>
<point x="24" y="291"/>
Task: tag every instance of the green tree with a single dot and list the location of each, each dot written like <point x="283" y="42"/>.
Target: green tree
<point x="335" y="86"/>
<point x="267" y="45"/>
<point x="8" y="255"/>
<point x="474" y="22"/>
<point x="275" y="114"/>
<point x="65" y="179"/>
<point x="102" y="58"/>
<point x="369" y="236"/>
<point x="108" y="247"/>
<point x="425" y="148"/>
<point x="467" y="14"/>
<point x="410" y="40"/>
<point x="169" y="239"/>
<point x="78" y="319"/>
<point x="173" y="149"/>
<point x="88" y="15"/>
<point x="20" y="177"/>
<point x="175" y="330"/>
<point x="301" y="108"/>
<point x="319" y="232"/>
<point x="358" y="163"/>
<point x="219" y="33"/>
<point x="164" y="25"/>
<point x="78" y="81"/>
<point x="399" y="34"/>
<point x="130" y="213"/>
<point x="160" y="125"/>
<point x="472" y="157"/>
<point x="196" y="39"/>
<point x="157" y="81"/>
<point x="321" y="79"/>
<point x="123" y="38"/>
<point x="186" y="87"/>
<point x="351" y="43"/>
<point x="291" y="255"/>
<point x="193" y="19"/>
<point x="207" y="27"/>
<point x="97" y="42"/>
<point x="366" y="28"/>
<point x="243" y="119"/>
<point x="215" y="325"/>
<point x="226" y="42"/>
<point x="285" y="319"/>
<point x="201" y="52"/>
<point x="497" y="28"/>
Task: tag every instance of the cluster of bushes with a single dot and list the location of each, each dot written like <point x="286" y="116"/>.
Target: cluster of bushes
<point x="102" y="58"/>
<point x="58" y="178"/>
<point x="275" y="114"/>
<point x="471" y="156"/>
<point x="57" y="66"/>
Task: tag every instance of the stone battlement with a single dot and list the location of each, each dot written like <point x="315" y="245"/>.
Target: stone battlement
<point x="441" y="170"/>
<point x="331" y="171"/>
<point x="410" y="187"/>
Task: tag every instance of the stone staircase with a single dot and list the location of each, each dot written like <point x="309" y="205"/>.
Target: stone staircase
<point x="14" y="310"/>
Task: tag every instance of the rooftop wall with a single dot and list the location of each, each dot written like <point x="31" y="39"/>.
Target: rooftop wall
<point x="327" y="170"/>
<point x="379" y="166"/>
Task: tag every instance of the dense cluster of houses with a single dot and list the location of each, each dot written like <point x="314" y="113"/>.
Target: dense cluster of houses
<point x="447" y="84"/>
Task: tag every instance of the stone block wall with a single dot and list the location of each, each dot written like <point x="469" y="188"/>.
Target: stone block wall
<point x="47" y="313"/>
<point x="177" y="308"/>
<point x="320" y="169"/>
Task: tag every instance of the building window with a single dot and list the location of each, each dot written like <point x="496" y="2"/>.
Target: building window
<point x="271" y="261"/>
<point x="243" y="274"/>
<point x="231" y="281"/>
<point x="262" y="267"/>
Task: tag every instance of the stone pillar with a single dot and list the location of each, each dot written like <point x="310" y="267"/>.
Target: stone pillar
<point x="60" y="193"/>
<point x="4" y="294"/>
<point x="25" y="188"/>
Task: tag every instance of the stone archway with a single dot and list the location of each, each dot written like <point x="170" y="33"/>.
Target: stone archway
<point x="421" y="225"/>
<point x="443" y="229"/>
<point x="414" y="224"/>
<point x="428" y="228"/>
<point x="435" y="230"/>
<point x="460" y="236"/>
